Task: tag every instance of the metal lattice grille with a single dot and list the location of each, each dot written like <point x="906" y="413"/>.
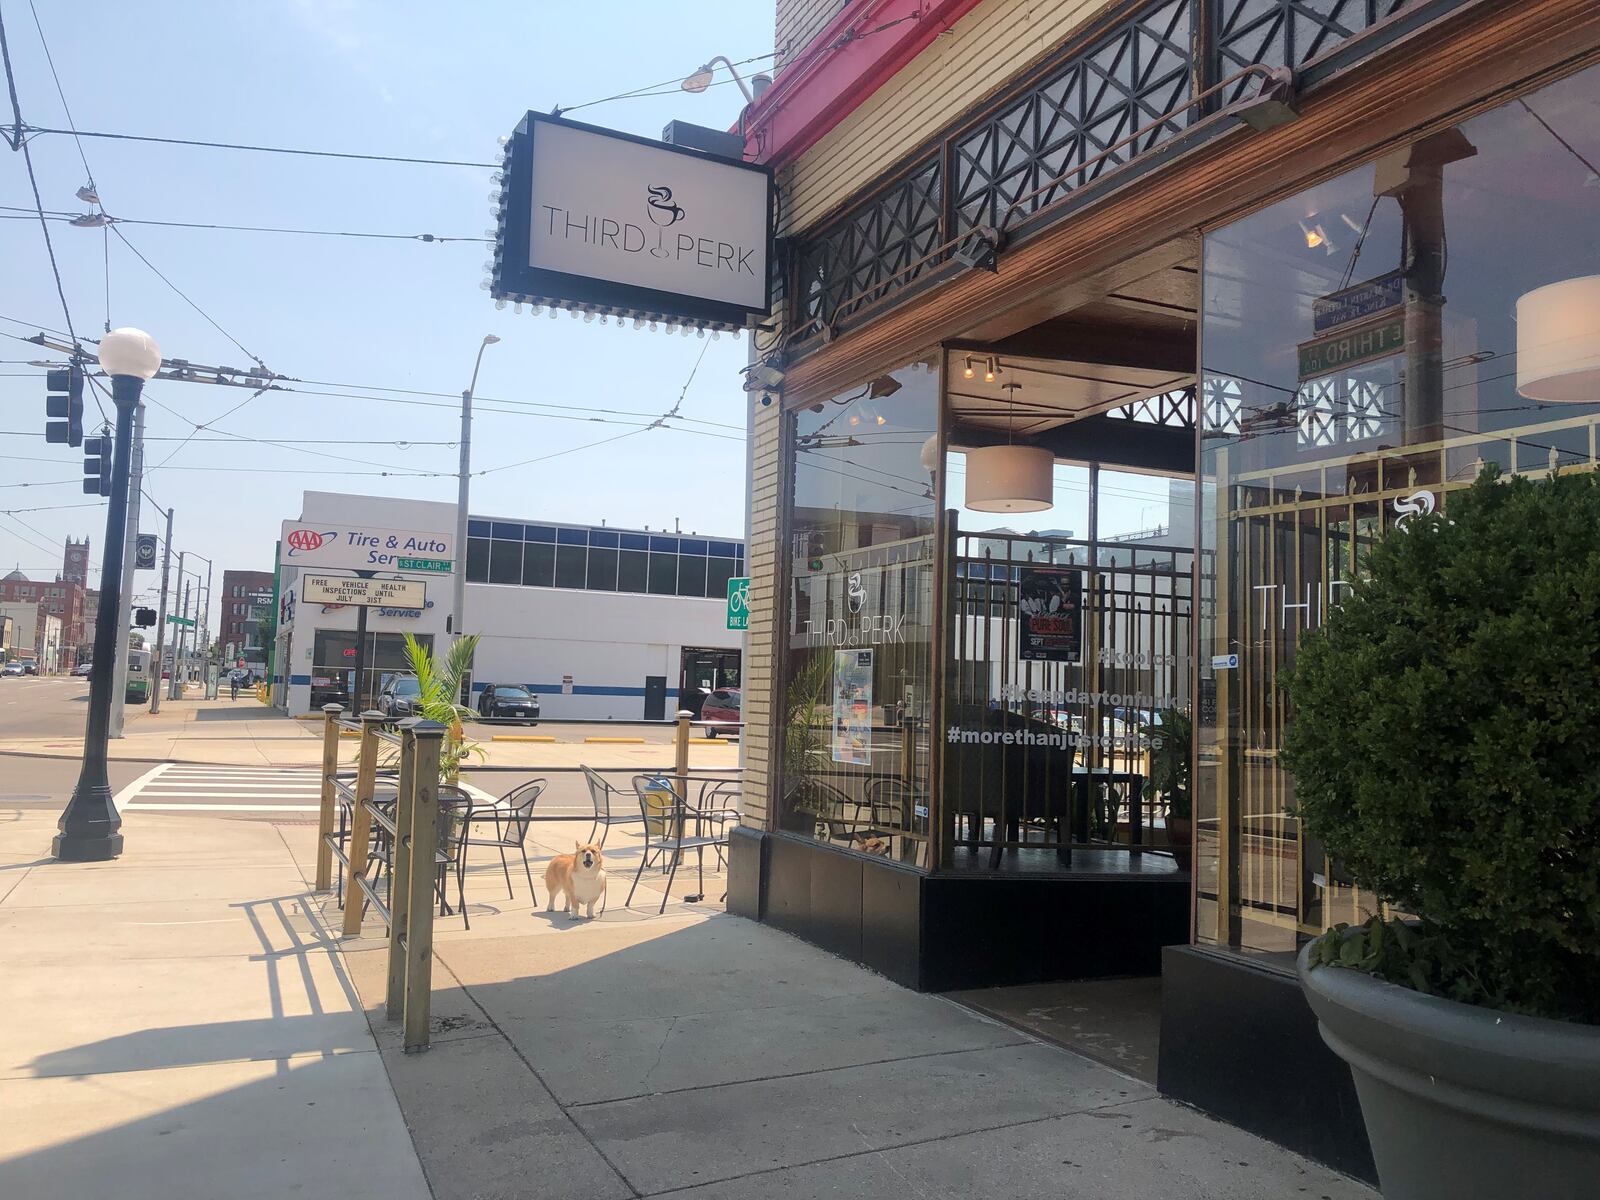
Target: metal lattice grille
<point x="850" y="263"/>
<point x="1288" y="32"/>
<point x="1169" y="408"/>
<point x="1128" y="81"/>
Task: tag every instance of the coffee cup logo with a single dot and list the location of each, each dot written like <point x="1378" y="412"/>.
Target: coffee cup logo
<point x="662" y="210"/>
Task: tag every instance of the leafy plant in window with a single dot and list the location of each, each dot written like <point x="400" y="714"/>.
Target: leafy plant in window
<point x="805" y="735"/>
<point x="438" y="686"/>
<point x="1446" y="749"/>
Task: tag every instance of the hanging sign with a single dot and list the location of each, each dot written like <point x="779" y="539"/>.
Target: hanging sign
<point x="144" y="553"/>
<point x="1050" y="614"/>
<point x="348" y="589"/>
<point x="852" y="706"/>
<point x="608" y="223"/>
<point x="1358" y="303"/>
<point x="361" y="547"/>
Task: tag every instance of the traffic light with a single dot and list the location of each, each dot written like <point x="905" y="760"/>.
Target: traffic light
<point x="144" y="617"/>
<point x="97" y="466"/>
<point x="63" y="405"/>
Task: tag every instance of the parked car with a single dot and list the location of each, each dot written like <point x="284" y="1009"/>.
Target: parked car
<point x="83" y="669"/>
<point x="721" y="705"/>
<point x="509" y="701"/>
<point x="13" y="668"/>
<point x="29" y="666"/>
<point x="399" y="697"/>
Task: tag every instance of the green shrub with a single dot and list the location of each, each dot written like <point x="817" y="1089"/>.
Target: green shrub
<point x="1446" y="746"/>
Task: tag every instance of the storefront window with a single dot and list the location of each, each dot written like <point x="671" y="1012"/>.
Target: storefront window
<point x="1368" y="346"/>
<point x="856" y="697"/>
<point x="333" y="671"/>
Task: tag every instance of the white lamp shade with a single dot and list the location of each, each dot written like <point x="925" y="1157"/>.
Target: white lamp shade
<point x="129" y="351"/>
<point x="930" y="455"/>
<point x="1558" y="342"/>
<point x="1010" y="479"/>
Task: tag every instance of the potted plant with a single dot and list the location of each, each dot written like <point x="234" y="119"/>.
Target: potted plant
<point x="1446" y="749"/>
<point x="438" y="687"/>
<point x="1171" y="738"/>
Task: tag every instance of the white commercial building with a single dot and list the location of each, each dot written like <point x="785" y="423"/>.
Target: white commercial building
<point x="600" y="623"/>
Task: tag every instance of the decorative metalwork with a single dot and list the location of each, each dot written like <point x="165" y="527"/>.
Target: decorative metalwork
<point x="1224" y="402"/>
<point x="1134" y="77"/>
<point x="1130" y="79"/>
<point x="1169" y="408"/>
<point x="1287" y="33"/>
<point x="856" y="259"/>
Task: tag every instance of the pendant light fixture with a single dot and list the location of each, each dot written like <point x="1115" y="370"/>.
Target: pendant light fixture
<point x="1558" y="342"/>
<point x="1010" y="478"/>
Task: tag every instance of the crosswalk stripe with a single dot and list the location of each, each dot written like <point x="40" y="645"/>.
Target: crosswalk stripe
<point x="197" y="788"/>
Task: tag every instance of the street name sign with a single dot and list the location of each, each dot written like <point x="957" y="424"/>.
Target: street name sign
<point x="347" y="589"/>
<point x="441" y="566"/>
<point x="186" y="622"/>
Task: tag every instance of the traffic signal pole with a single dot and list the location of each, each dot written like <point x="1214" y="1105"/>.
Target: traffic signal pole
<point x="130" y="541"/>
<point x="161" y="619"/>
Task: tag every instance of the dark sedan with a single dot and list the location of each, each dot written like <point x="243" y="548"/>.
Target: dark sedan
<point x="508" y="702"/>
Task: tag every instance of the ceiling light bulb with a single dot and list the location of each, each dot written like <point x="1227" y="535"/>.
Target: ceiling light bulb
<point x="1313" y="235"/>
<point x="988" y="373"/>
<point x="882" y="420"/>
<point x="967" y="373"/>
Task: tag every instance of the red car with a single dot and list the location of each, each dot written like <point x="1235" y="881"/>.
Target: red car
<point x="721" y="705"/>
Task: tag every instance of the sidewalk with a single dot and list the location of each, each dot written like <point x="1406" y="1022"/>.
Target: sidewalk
<point x="180" y="1023"/>
<point x="187" y="1028"/>
<point x="245" y="732"/>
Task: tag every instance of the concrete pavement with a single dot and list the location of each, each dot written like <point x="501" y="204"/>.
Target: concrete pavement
<point x="180" y="1023"/>
<point x="184" y="1024"/>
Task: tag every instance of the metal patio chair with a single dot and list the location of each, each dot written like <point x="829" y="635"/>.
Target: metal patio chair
<point x="610" y="807"/>
<point x="667" y="831"/>
<point x="511" y="815"/>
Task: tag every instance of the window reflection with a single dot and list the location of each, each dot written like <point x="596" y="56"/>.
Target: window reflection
<point x="1361" y="355"/>
<point x="856" y="690"/>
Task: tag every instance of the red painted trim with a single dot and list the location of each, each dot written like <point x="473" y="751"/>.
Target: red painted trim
<point x="858" y="52"/>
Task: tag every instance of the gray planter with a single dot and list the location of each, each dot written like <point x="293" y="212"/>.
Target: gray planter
<point x="1461" y="1101"/>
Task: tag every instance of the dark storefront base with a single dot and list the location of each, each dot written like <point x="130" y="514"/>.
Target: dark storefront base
<point x="937" y="933"/>
<point x="1239" y="1041"/>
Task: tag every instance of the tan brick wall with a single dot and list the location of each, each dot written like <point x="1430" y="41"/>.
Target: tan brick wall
<point x="766" y="615"/>
<point x="995" y="42"/>
<point x="798" y="21"/>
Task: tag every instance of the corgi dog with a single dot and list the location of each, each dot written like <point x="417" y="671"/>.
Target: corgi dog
<point x="579" y="875"/>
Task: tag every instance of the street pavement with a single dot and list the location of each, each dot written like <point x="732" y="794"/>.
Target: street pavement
<point x="43" y="706"/>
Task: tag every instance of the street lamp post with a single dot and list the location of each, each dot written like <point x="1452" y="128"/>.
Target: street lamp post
<point x="90" y="826"/>
<point x="458" y="601"/>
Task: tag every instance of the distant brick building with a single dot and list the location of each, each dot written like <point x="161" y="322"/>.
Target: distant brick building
<point x="61" y="599"/>
<point x="246" y="598"/>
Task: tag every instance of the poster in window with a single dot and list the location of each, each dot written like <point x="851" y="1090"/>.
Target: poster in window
<point x="852" y="706"/>
<point x="1050" y="611"/>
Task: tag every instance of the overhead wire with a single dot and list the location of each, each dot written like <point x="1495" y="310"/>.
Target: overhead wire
<point x="33" y="182"/>
<point x="171" y="141"/>
<point x="185" y="298"/>
<point x="64" y="216"/>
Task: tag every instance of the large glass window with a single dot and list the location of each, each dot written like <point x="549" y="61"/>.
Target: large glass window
<point x="856" y="698"/>
<point x="1368" y="346"/>
<point x="550" y="556"/>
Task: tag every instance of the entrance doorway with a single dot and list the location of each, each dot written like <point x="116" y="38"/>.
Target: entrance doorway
<point x="655" y="697"/>
<point x="704" y="671"/>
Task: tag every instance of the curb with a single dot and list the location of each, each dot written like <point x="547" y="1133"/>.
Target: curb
<point x="612" y="741"/>
<point x="521" y="737"/>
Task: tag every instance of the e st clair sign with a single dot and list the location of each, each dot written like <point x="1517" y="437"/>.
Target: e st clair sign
<point x="613" y="224"/>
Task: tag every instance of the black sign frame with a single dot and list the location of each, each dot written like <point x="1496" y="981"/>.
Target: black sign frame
<point x="1036" y="642"/>
<point x="515" y="281"/>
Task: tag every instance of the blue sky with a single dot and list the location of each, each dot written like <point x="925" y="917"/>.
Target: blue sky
<point x="389" y="77"/>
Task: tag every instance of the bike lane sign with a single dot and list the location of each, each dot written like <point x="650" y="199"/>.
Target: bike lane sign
<point x="739" y="603"/>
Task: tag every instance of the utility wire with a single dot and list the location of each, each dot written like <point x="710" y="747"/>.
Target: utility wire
<point x="184" y="297"/>
<point x="169" y="141"/>
<point x="33" y="181"/>
<point x="75" y="218"/>
<point x="665" y="87"/>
